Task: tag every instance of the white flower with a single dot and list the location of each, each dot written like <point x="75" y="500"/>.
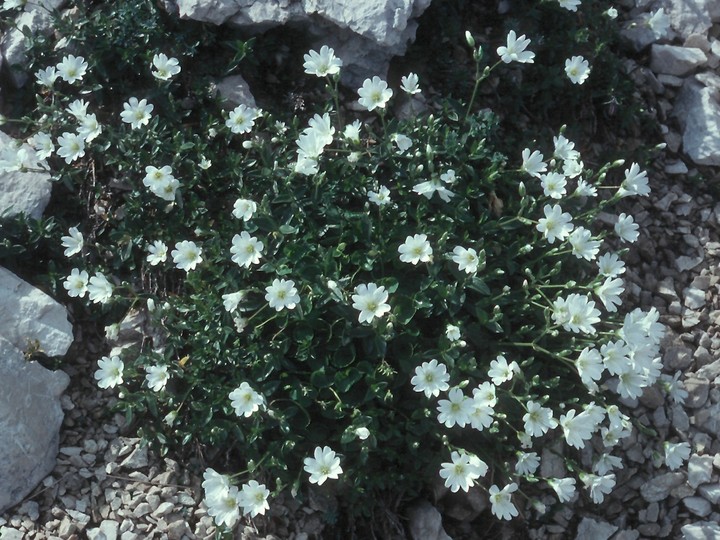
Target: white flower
<point x="244" y="209"/>
<point x="323" y="63"/>
<point x="214" y="484"/>
<point x="156" y="377"/>
<point x="78" y="109"/>
<point x="325" y="464"/>
<point x="570" y="5"/>
<point x="527" y="463"/>
<point x="573" y="168"/>
<point x="533" y="163"/>
<point x="157" y="252"/>
<point x="576" y="313"/>
<point x="402" y="141"/>
<point x="564" y="488"/>
<point x="626" y="229"/>
<point x="415" y="249"/>
<point x="673" y="387"/>
<point x="165" y="68"/>
<point x="456" y="409"/>
<point x="246" y="250"/>
<point x="241" y="119"/>
<point x="577" y="429"/>
<point x="676" y="454"/>
<point x="501" y="501"/>
<point x="590" y="367"/>
<point x="500" y="371"/>
<point x="76" y="283"/>
<point x="607" y="463"/>
<point x="374" y="94"/>
<point x="99" y="289"/>
<point x="232" y="300"/>
<point x="371" y="301"/>
<point x="565" y="149"/>
<point x="167" y="189"/>
<point x="452" y="332"/>
<point x="583" y="244"/>
<point x="553" y="185"/>
<point x="136" y="113"/>
<point x="584" y="189"/>
<point x="610" y="265"/>
<point x="635" y="183"/>
<point x="282" y="294"/>
<point x="599" y="486"/>
<point x="556" y="224"/>
<point x="225" y="507"/>
<point x="538" y="420"/>
<point x="631" y="383"/>
<point x="609" y="292"/>
<point x="42" y="144"/>
<point x="461" y="472"/>
<point x="577" y="69"/>
<point x="515" y="51"/>
<point x="47" y="77"/>
<point x="431" y="378"/>
<point x="110" y="373"/>
<point x="435" y="185"/>
<point x="245" y="400"/>
<point x="409" y="84"/>
<point x="205" y="163"/>
<point x="381" y="197"/>
<point x="72" y="146"/>
<point x="658" y="22"/>
<point x="352" y="131"/>
<point x="73" y="243"/>
<point x="466" y="259"/>
<point x="89" y="128"/>
<point x="72" y="68"/>
<point x="322" y="127"/>
<point x="156" y="179"/>
<point x="186" y="255"/>
<point x="253" y="498"/>
<point x="611" y="13"/>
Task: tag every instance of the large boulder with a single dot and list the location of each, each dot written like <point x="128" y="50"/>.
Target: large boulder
<point x="29" y="317"/>
<point x="22" y="192"/>
<point x="697" y="109"/>
<point x="30" y="419"/>
<point x="365" y="35"/>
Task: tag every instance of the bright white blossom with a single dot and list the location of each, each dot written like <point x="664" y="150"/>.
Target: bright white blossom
<point x="538" y="420"/>
<point x="611" y="13"/>
<point x="72" y="146"/>
<point x="136" y="112"/>
<point x="500" y="371"/>
<point x="609" y="292"/>
<point x="533" y="163"/>
<point x="323" y="63"/>
<point x="157" y="377"/>
<point x="452" y="332"/>
<point x="76" y="283"/>
<point x="461" y="472"/>
<point x="606" y="463"/>
<point x="610" y="265"/>
<point x="570" y="5"/>
<point x="72" y="68"/>
<point x="253" y="498"/>
<point x="73" y="242"/>
<point x="186" y="255"/>
<point x="78" y="108"/>
<point x="381" y="197"/>
<point x="564" y="488"/>
<point x="676" y="454"/>
<point x="42" y="144"/>
<point x="556" y="224"/>
<point x="99" y="289"/>
<point x="565" y="149"/>
<point x="553" y="185"/>
<point x="456" y="409"/>
<point x="584" y="189"/>
<point x="409" y="83"/>
<point x="156" y="178"/>
<point x="435" y="185"/>
<point x="352" y="131"/>
<point x="431" y="378"/>
<point x="577" y="69"/>
<point x="466" y="259"/>
<point x="323" y="465"/>
<point x="157" y="253"/>
<point x="47" y="77"/>
<point x="590" y="367"/>
<point x="635" y="182"/>
<point x="374" y="94"/>
<point x="576" y="313"/>
<point x="584" y="246"/>
<point x="246" y="401"/>
<point x="577" y="429"/>
<point x="89" y="128"/>
<point x="514" y="50"/>
<point x="242" y="119"/>
<point x="626" y="228"/>
<point x="403" y="142"/>
<point x="244" y="209"/>
<point x="246" y="250"/>
<point x="527" y="463"/>
<point x="501" y="501"/>
<point x="165" y="68"/>
<point x="599" y="486"/>
<point x="371" y="301"/>
<point x="415" y="249"/>
<point x="232" y="300"/>
<point x="110" y="373"/>
<point x="282" y="294"/>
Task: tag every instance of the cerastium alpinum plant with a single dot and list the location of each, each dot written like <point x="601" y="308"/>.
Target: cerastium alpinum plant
<point x="365" y="302"/>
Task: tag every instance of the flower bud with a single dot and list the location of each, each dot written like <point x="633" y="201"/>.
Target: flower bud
<point x="521" y="189"/>
<point x="469" y="39"/>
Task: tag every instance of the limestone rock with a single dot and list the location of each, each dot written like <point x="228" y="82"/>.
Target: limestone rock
<point x="702" y="530"/>
<point x="674" y="60"/>
<point x="699" y="470"/>
<point x="597" y="530"/>
<point x="30" y="419"/>
<point x="28" y="314"/>
<point x="658" y="488"/>
<point x="697" y="505"/>
<point x="425" y="523"/>
<point x="235" y="91"/>
<point x="688" y="17"/>
<point x="698" y="112"/>
<point x="22" y="192"/>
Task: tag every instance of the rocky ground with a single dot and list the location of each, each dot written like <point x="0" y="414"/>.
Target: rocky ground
<point x="106" y="485"/>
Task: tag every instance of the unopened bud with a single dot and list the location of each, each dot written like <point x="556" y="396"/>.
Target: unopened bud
<point x="470" y="40"/>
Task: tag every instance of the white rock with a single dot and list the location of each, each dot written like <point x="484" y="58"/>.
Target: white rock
<point x="711" y="492"/>
<point x="694" y="298"/>
<point x="27" y="315"/>
<point x="676" y="167"/>
<point x="699" y="470"/>
<point x="697" y="505"/>
<point x="689" y="17"/>
<point x="22" y="192"/>
<point x="658" y="488"/>
<point x="137" y="459"/>
<point x="235" y="91"/>
<point x="7" y="533"/>
<point x="702" y="530"/>
<point x="674" y="60"/>
<point x="30" y="419"/>
<point x="425" y="523"/>
<point x="597" y="530"/>
<point x="698" y="112"/>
